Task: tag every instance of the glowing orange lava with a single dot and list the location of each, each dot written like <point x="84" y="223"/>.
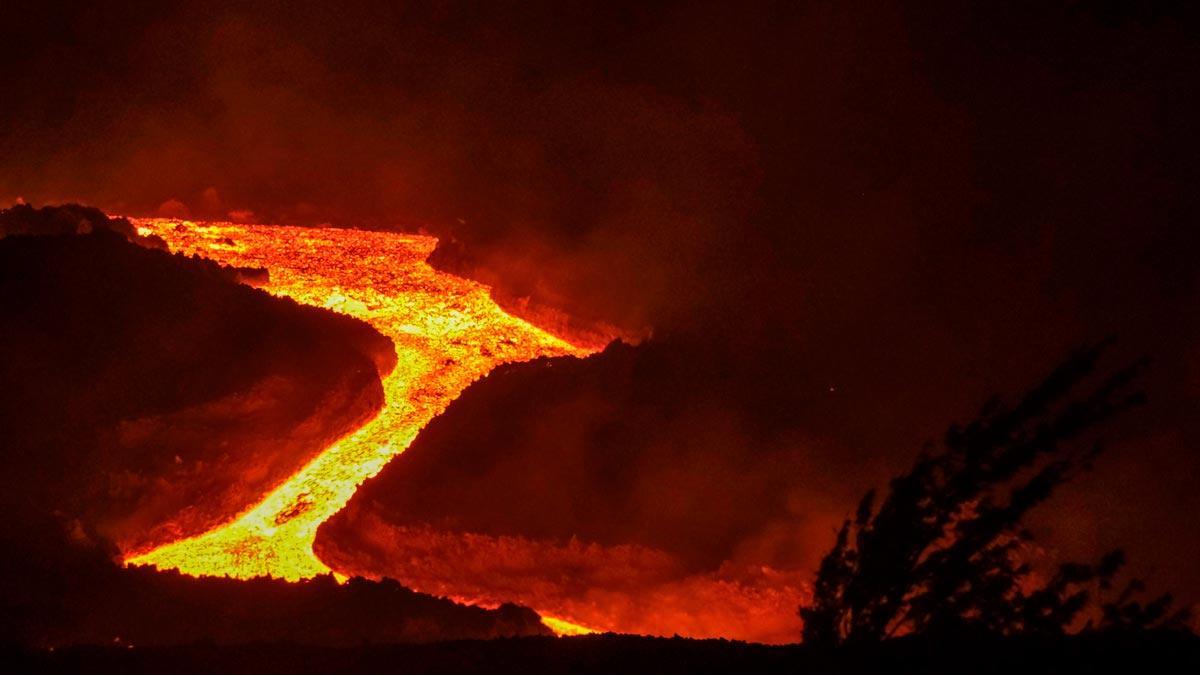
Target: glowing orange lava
<point x="447" y="331"/>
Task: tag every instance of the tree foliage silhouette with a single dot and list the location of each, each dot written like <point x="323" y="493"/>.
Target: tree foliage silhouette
<point x="942" y="551"/>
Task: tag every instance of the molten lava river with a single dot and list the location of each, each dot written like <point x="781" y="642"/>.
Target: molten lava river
<point x="448" y="332"/>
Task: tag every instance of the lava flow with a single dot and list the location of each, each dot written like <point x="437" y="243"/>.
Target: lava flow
<point x="447" y="331"/>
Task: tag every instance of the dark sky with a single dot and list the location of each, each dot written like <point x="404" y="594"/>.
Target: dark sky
<point x="881" y="212"/>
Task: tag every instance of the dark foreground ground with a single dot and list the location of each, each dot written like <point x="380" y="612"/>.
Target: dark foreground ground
<point x="1153" y="653"/>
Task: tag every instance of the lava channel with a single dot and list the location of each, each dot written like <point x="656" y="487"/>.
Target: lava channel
<point x="448" y="332"/>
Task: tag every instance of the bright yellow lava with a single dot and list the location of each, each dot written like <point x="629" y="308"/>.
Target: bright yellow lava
<point x="448" y="332"/>
<point x="563" y="628"/>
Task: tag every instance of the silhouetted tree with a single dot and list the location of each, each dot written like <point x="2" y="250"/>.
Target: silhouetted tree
<point x="941" y="552"/>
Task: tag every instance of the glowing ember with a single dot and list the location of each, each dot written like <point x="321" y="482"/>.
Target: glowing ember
<point x="448" y="332"/>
